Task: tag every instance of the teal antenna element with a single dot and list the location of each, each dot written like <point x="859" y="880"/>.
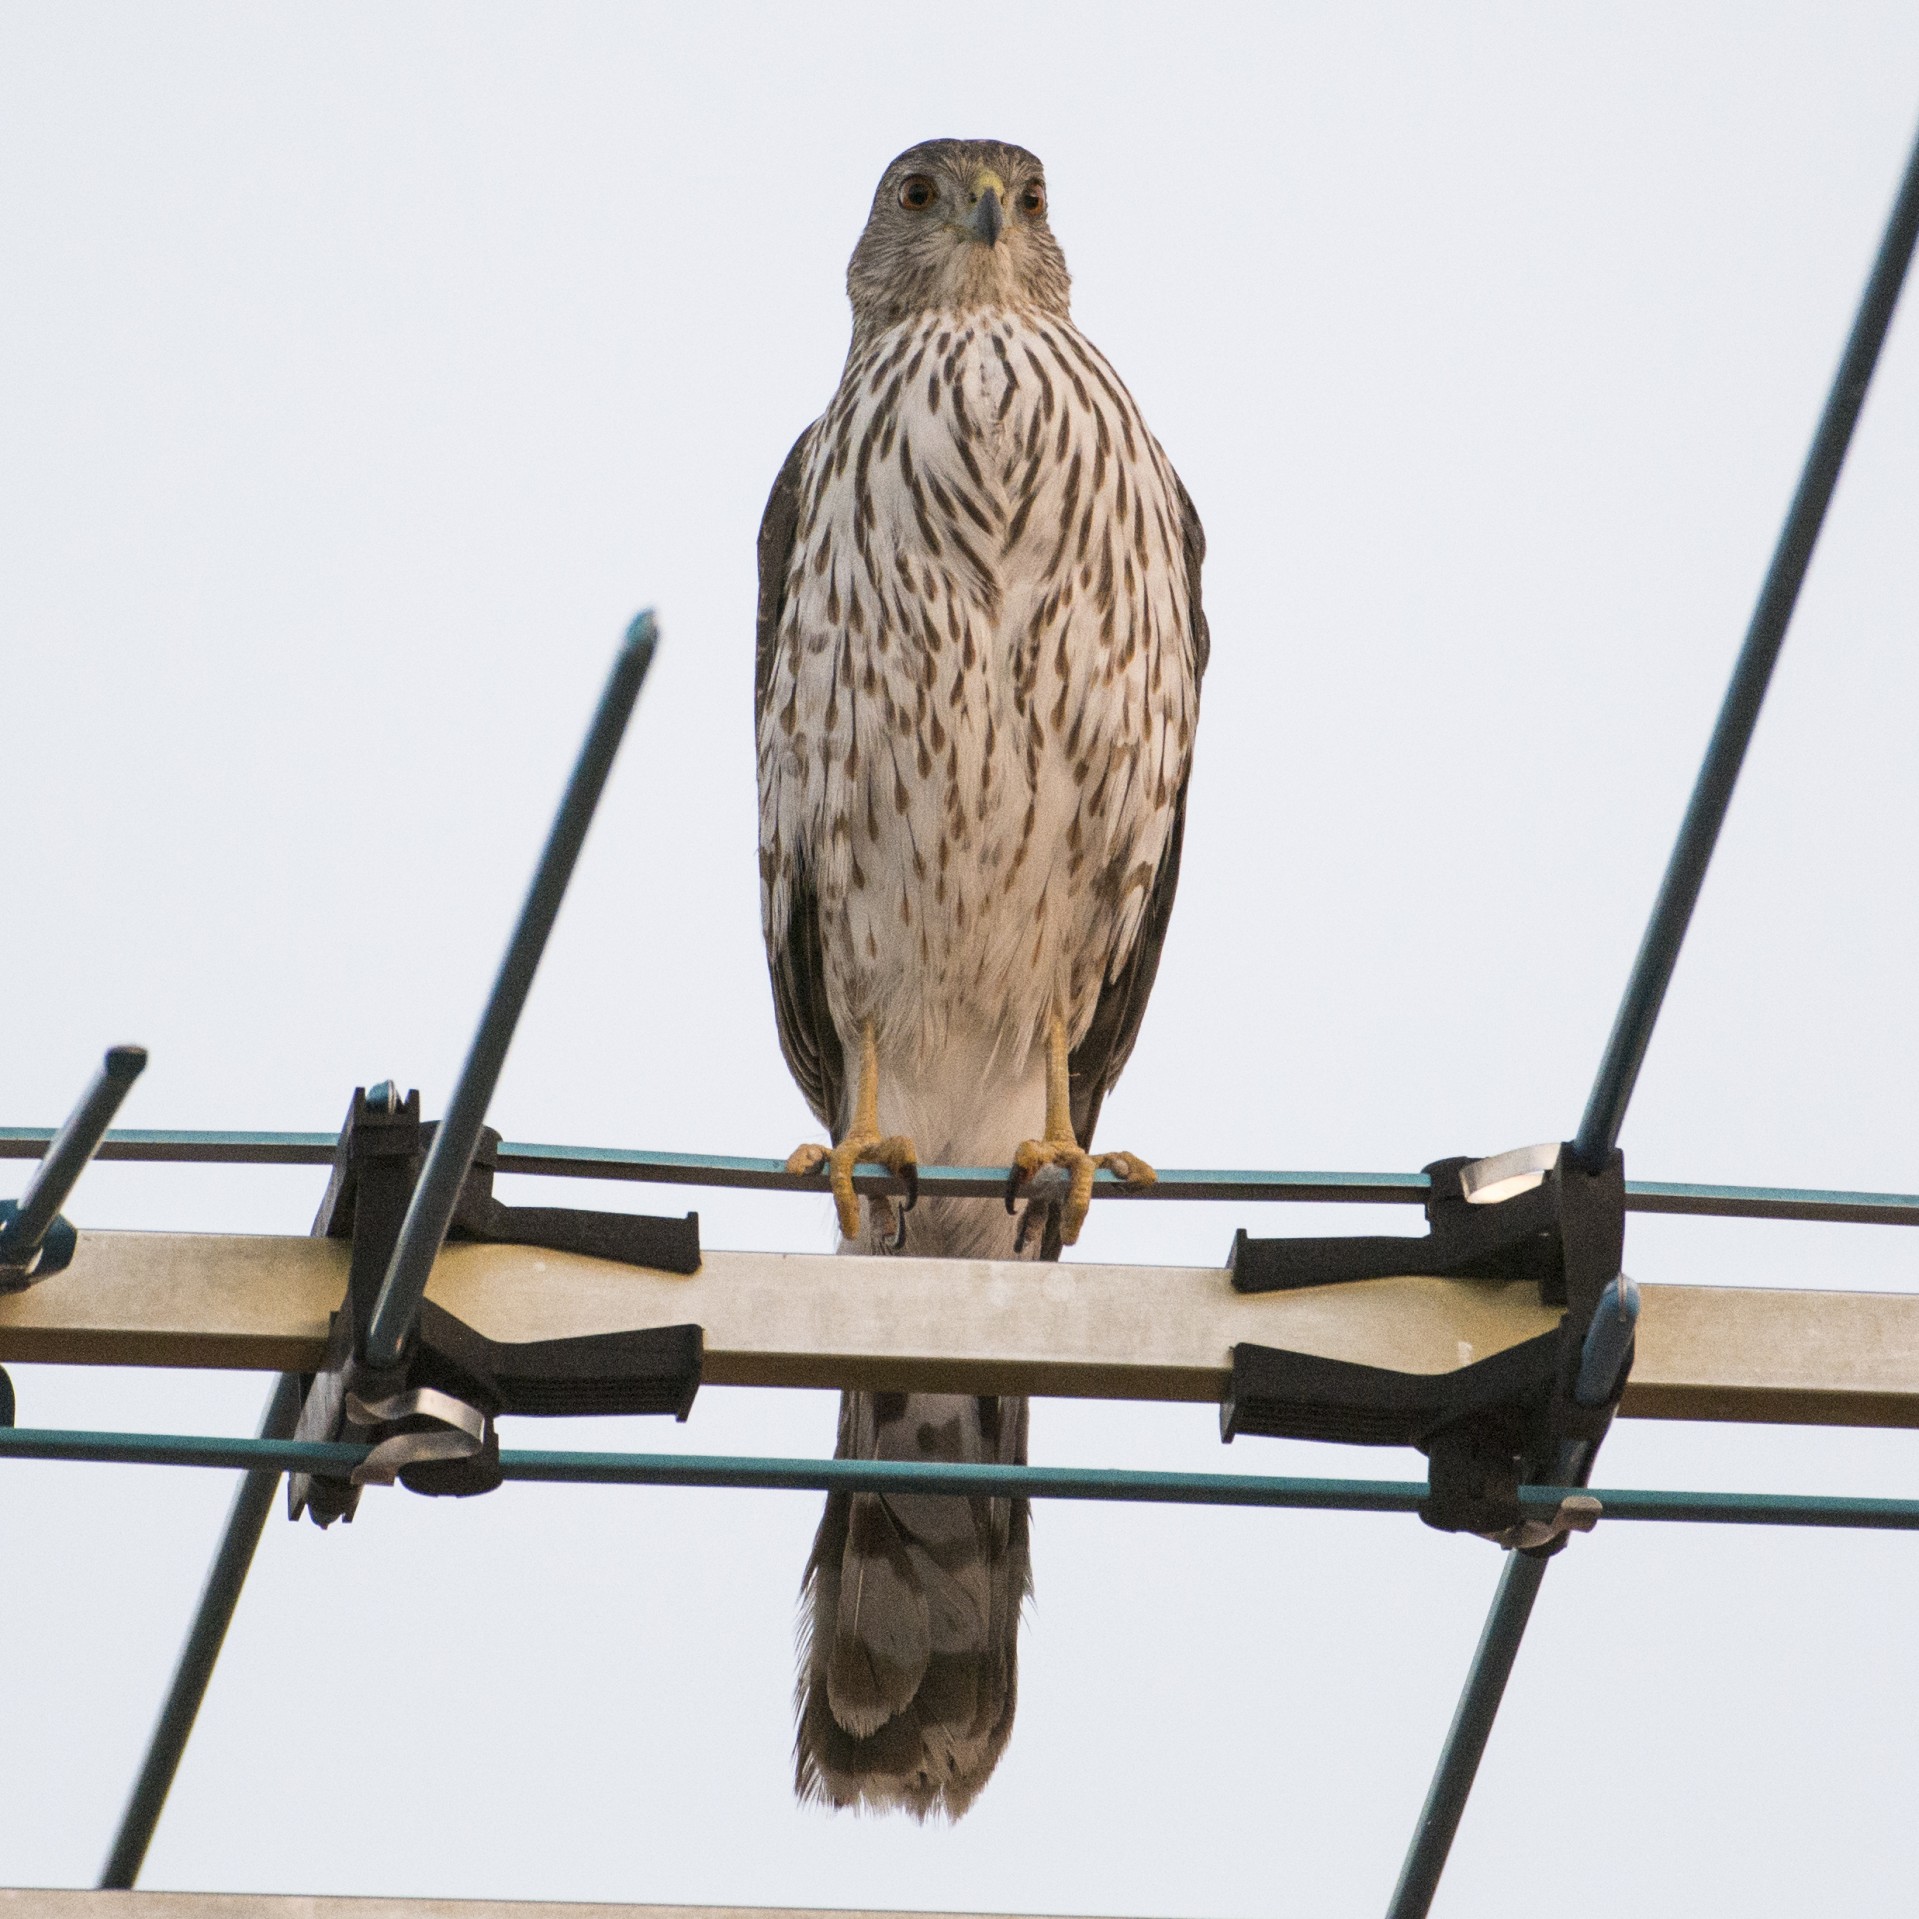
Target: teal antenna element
<point x="34" y="1239"/>
<point x="1102" y="1485"/>
<point x="647" y="1167"/>
<point x="1439" y="1817"/>
<point x="423" y="1231"/>
<point x="247" y="1520"/>
<point x="1652" y="972"/>
<point x="434" y="1199"/>
<point x="1732" y="732"/>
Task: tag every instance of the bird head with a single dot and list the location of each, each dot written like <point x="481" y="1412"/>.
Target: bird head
<point x="956" y="224"/>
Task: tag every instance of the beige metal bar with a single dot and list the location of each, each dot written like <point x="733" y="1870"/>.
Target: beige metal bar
<point x="32" y="1903"/>
<point x="1119" y="1332"/>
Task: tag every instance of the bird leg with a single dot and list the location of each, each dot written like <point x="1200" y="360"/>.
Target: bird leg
<point x="1059" y="1147"/>
<point x="863" y="1143"/>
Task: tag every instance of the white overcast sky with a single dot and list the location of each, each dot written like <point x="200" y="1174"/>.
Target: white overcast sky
<point x="363" y="369"/>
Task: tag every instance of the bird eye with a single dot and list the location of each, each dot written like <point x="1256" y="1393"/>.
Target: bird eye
<point x="1032" y="199"/>
<point x="917" y="192"/>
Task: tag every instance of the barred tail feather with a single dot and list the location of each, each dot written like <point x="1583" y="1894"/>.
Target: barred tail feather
<point x="909" y="1649"/>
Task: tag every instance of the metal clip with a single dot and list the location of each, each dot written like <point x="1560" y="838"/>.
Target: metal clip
<point x="1504" y="1176"/>
<point x="454" y="1430"/>
<point x="1576" y="1513"/>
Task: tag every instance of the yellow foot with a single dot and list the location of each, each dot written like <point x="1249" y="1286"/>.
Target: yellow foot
<point x="1035" y="1154"/>
<point x="894" y="1152"/>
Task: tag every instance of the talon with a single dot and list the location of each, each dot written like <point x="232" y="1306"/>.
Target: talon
<point x="1060" y="1147"/>
<point x="1034" y="1156"/>
<point x="1016" y="1177"/>
<point x="1128" y="1168"/>
<point x="900" y="1158"/>
<point x="896" y="1154"/>
<point x="845" y="1201"/>
<point x="896" y="1241"/>
<point x="862" y="1143"/>
<point x="1028" y="1157"/>
<point x="1036" y="1210"/>
<point x="1079" y="1200"/>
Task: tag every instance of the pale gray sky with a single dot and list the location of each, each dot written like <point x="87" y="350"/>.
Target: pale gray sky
<point x="362" y="369"/>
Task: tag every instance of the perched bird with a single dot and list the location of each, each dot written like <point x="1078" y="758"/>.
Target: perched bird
<point x="979" y="657"/>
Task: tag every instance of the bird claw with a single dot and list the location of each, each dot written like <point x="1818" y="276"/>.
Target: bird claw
<point x="894" y="1152"/>
<point x="1015" y="1179"/>
<point x="895" y="1241"/>
<point x="1033" y="1156"/>
<point x="1128" y="1168"/>
<point x="1036" y="1213"/>
<point x="908" y="1174"/>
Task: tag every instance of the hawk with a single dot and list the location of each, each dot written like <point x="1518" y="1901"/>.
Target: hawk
<point x="979" y="657"/>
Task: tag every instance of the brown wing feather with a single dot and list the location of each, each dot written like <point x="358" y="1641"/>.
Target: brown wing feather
<point x="1108" y="1042"/>
<point x="807" y="1034"/>
<point x="778" y="526"/>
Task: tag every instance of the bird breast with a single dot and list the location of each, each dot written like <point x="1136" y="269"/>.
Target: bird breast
<point x="982" y="700"/>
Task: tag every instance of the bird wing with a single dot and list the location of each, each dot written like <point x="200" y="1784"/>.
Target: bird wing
<point x="1102" y="1052"/>
<point x="794" y="954"/>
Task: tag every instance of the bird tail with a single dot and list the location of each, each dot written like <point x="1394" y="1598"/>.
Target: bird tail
<point x="909" y="1634"/>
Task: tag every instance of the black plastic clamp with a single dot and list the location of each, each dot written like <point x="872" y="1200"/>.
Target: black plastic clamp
<point x="430" y="1419"/>
<point x="1534" y="1413"/>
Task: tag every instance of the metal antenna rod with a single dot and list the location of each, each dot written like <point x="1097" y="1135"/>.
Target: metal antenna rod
<point x="1652" y="973"/>
<point x="191" y="1677"/>
<point x="420" y="1238"/>
<point x="1732" y="733"/>
<point x="431" y="1210"/>
<point x="22" y="1232"/>
<point x="1466" y="1737"/>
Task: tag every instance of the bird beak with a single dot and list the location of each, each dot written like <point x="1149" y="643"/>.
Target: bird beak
<point x="989" y="208"/>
